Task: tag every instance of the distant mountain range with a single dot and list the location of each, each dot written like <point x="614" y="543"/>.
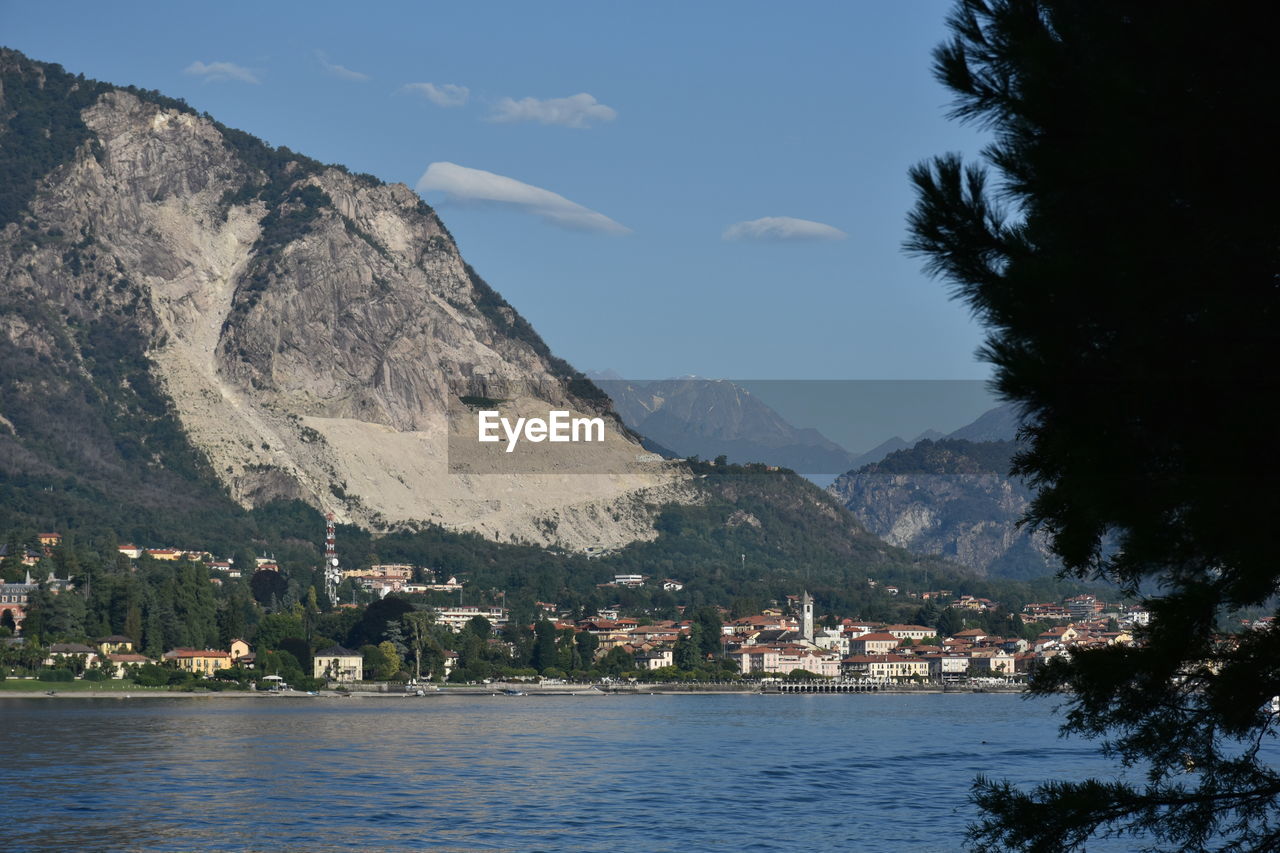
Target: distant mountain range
<point x="998" y="424"/>
<point x="715" y="417"/>
<point x="693" y="416"/>
<point x="947" y="495"/>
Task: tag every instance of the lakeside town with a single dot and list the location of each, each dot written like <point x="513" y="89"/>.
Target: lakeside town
<point x="421" y="640"/>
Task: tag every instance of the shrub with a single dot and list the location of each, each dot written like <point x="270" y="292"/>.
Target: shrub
<point x="49" y="674"/>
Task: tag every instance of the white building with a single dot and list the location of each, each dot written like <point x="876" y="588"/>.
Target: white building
<point x="338" y="664"/>
<point x="783" y="659"/>
<point x="456" y="618"/>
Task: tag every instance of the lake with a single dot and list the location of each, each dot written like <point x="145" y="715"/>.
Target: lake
<point x="517" y="773"/>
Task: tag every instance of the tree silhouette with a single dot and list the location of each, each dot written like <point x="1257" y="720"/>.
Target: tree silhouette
<point x="1126" y="267"/>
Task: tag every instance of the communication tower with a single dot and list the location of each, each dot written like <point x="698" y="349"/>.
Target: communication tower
<point x="332" y="576"/>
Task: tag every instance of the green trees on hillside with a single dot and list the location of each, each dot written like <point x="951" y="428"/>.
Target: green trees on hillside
<point x="1130" y="295"/>
<point x="41" y="125"/>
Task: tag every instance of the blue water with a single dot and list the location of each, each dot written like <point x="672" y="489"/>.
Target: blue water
<point x="581" y="773"/>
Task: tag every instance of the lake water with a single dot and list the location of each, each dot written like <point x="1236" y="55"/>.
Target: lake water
<point x="576" y="773"/>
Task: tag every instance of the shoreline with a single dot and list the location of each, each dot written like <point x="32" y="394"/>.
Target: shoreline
<point x="506" y="691"/>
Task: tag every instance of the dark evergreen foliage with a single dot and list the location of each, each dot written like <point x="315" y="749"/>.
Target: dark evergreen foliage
<point x="40" y="125"/>
<point x="948" y="456"/>
<point x="1130" y="292"/>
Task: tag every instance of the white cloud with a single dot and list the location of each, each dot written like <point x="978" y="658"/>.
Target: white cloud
<point x="475" y="185"/>
<point x="782" y="229"/>
<point x="444" y="95"/>
<point x="221" y="71"/>
<point x="574" y="111"/>
<point x="341" y="70"/>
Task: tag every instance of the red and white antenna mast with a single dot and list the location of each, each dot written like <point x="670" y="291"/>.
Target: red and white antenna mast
<point x="332" y="576"/>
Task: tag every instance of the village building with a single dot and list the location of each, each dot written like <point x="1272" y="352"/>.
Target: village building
<point x="30" y="557"/>
<point x="238" y="649"/>
<point x="450" y="662"/>
<point x="13" y="602"/>
<point x="656" y="658"/>
<point x="120" y="662"/>
<point x="1084" y="606"/>
<point x="456" y="618"/>
<point x="201" y="661"/>
<point x="877" y="643"/>
<point x="338" y="664"/>
<point x="61" y="653"/>
<point x="911" y="632"/>
<point x="115" y="644"/>
<point x="891" y="667"/>
<point x="992" y="662"/>
<point x="783" y="659"/>
<point x="946" y="667"/>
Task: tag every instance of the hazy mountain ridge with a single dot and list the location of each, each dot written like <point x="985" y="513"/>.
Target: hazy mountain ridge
<point x="997" y="424"/>
<point x="713" y="417"/>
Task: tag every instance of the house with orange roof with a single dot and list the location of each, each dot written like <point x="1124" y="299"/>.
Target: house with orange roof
<point x="121" y="661"/>
<point x="202" y="661"/>
<point x="1063" y="636"/>
<point x="782" y="659"/>
<point x="878" y="643"/>
<point x="910" y="632"/>
<point x="891" y="667"/>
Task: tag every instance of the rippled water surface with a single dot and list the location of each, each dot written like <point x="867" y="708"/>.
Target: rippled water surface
<point x="591" y="773"/>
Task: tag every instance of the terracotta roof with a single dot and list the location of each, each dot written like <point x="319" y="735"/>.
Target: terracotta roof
<point x="875" y="638"/>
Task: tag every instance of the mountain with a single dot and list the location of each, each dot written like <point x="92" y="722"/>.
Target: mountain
<point x="998" y="424"/>
<point x="205" y="341"/>
<point x="714" y="417"/>
<point x="952" y="498"/>
<point x="192" y="319"/>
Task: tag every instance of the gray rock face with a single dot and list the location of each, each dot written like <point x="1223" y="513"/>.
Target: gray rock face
<point x="950" y="499"/>
<point x="309" y="328"/>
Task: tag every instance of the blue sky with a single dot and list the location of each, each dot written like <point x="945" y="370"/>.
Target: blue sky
<point x="645" y="161"/>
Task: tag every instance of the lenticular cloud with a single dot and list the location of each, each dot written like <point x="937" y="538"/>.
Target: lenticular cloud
<point x="782" y="229"/>
<point x="459" y="183"/>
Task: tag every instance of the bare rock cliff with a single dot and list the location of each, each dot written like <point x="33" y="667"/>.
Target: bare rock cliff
<point x="308" y="328"/>
<point x="950" y="498"/>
